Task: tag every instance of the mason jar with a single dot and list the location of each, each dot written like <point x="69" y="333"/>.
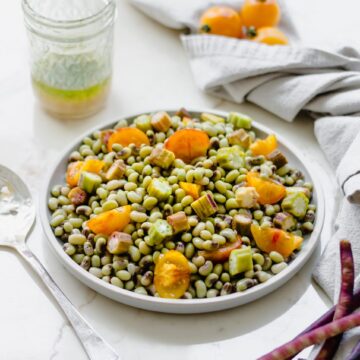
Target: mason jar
<point x="71" y="45"/>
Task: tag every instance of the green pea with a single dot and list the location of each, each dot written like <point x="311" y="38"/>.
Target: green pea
<point x="276" y="257"/>
<point x="78" y="258"/>
<point x="200" y="289"/>
<point x="150" y="202"/>
<point x="57" y="220"/>
<point x="259" y="259"/>
<point x="95" y="261"/>
<point x="276" y="268"/>
<point x="53" y="203"/>
<point x="134" y="253"/>
<point x="69" y="249"/>
<point x="187" y="200"/>
<point x="211" y="280"/>
<point x="102" y="193"/>
<point x="262" y="276"/>
<point x="117" y="282"/>
<point x="109" y="205"/>
<point x="96" y="272"/>
<point x="123" y="275"/>
<point x="77" y="239"/>
<point x="59" y="231"/>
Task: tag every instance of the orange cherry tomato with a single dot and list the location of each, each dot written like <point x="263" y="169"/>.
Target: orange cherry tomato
<point x="271" y="239"/>
<point x="270" y="191"/>
<point x="110" y="221"/>
<point x="260" y="13"/>
<point x="270" y="36"/>
<point x="221" y="255"/>
<point x="221" y="20"/>
<point x="188" y="144"/>
<point x="172" y="275"/>
<point x="191" y="189"/>
<point x="127" y="136"/>
<point x="73" y="173"/>
<point x="264" y="147"/>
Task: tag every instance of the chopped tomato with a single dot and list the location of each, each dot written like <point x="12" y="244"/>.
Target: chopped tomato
<point x="73" y="173"/>
<point x="264" y="147"/>
<point x="271" y="239"/>
<point x="93" y="165"/>
<point x="172" y="275"/>
<point x="270" y="191"/>
<point x="76" y="168"/>
<point x="127" y="136"/>
<point x="188" y="144"/>
<point x="191" y="189"/>
<point x="222" y="254"/>
<point x="110" y="221"/>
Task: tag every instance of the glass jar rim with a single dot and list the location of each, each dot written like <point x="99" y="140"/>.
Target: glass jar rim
<point x="67" y="24"/>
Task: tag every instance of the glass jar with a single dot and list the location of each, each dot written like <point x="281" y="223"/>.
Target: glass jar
<point x="71" y="43"/>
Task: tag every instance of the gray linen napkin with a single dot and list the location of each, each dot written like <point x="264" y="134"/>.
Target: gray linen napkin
<point x="285" y="80"/>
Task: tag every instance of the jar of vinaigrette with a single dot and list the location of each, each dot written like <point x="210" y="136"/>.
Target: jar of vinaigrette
<point x="71" y="45"/>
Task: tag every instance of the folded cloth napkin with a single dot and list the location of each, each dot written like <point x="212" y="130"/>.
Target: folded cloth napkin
<point x="285" y="80"/>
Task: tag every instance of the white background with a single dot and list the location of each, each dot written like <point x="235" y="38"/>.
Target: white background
<point x="151" y="72"/>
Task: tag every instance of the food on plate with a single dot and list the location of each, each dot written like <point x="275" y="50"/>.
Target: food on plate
<point x="221" y="20"/>
<point x="182" y="205"/>
<point x="268" y="35"/>
<point x="260" y="13"/>
<point x="172" y="275"/>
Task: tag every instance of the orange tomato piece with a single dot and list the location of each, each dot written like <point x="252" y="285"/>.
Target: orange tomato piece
<point x="270" y="36"/>
<point x="76" y="168"/>
<point x="259" y="13"/>
<point x="188" y="144"/>
<point x="265" y="146"/>
<point x="270" y="191"/>
<point x="221" y="255"/>
<point x="73" y="173"/>
<point x="110" y="221"/>
<point x="221" y="20"/>
<point x="127" y="136"/>
<point x="93" y="165"/>
<point x="271" y="239"/>
<point x="191" y="189"/>
<point x="172" y="275"/>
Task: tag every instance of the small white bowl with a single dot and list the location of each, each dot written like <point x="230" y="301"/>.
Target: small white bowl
<point x="191" y="306"/>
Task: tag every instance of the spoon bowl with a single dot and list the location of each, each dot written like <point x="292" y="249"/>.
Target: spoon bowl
<point x="17" y="211"/>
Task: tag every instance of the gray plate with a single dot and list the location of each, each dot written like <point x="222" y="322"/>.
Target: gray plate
<point x="295" y="157"/>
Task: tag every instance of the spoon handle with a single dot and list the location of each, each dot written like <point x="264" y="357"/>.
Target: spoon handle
<point x="95" y="346"/>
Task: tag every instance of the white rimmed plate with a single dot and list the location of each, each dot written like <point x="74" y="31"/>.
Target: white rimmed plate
<point x="295" y="157"/>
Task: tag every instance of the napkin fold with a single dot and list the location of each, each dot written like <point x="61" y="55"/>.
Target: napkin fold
<point x="285" y="80"/>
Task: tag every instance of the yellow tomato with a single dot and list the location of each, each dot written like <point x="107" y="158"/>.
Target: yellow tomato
<point x="264" y="147"/>
<point x="110" y="221"/>
<point x="271" y="239"/>
<point x="270" y="36"/>
<point x="172" y="275"/>
<point x="270" y="192"/>
<point x="260" y="13"/>
<point x="221" y="20"/>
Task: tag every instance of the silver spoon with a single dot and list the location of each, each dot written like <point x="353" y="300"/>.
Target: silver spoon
<point x="17" y="215"/>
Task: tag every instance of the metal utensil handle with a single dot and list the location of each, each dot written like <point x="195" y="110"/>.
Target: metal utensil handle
<point x="95" y="346"/>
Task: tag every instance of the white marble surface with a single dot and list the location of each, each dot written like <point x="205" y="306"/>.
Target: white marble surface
<point x="150" y="72"/>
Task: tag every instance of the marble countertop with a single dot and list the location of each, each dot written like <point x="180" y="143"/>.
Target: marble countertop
<point x="151" y="72"/>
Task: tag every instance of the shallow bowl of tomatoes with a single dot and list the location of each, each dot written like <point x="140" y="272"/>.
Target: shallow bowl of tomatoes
<point x="171" y="281"/>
